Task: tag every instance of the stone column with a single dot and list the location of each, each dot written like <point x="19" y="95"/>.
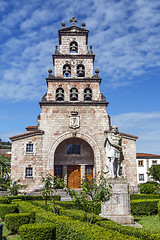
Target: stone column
<point x="82" y="172"/>
<point x="65" y="173"/>
<point x="118" y="207"/>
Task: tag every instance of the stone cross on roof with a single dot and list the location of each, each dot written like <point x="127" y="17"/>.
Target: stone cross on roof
<point x="73" y="20"/>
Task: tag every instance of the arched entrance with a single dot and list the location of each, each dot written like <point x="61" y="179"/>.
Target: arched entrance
<point x="73" y="160"/>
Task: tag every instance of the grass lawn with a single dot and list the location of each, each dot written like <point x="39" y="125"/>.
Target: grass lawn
<point x="6" y="233"/>
<point x="151" y="223"/>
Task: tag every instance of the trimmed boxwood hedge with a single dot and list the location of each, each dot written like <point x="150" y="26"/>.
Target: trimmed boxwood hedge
<point x="38" y="231"/>
<point x="7" y="208"/>
<point x="15" y="220"/>
<point x="30" y="197"/>
<point x="144" y="196"/>
<point x="73" y="229"/>
<point x="5" y="200"/>
<point x="159" y="209"/>
<point x="128" y="230"/>
<point x="144" y="207"/>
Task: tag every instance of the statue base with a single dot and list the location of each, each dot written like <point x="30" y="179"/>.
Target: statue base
<point x="118" y="207"/>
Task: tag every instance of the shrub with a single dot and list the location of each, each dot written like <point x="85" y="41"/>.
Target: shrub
<point x="144" y="207"/>
<point x="144" y="196"/>
<point x="15" y="220"/>
<point x="27" y="207"/>
<point x="5" y="200"/>
<point x="38" y="231"/>
<point x="31" y="197"/>
<point x="7" y="208"/>
<point x="72" y="229"/>
<point x="159" y="209"/>
<point x="127" y="230"/>
<point x="147" y="188"/>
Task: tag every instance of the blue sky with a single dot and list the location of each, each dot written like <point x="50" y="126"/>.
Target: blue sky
<point x="125" y="36"/>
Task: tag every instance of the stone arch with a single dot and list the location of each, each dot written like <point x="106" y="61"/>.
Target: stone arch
<point x="83" y="136"/>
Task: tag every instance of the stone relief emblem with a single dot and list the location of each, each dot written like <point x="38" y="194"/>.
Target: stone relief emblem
<point x="74" y="120"/>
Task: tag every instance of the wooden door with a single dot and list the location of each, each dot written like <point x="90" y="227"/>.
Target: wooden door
<point x="74" y="176"/>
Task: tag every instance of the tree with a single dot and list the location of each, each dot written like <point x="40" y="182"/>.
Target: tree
<point x="91" y="194"/>
<point x="5" y="168"/>
<point x="15" y="187"/>
<point x="51" y="186"/>
<point x="154" y="172"/>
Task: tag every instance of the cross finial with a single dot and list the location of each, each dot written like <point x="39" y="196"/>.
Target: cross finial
<point x="73" y="20"/>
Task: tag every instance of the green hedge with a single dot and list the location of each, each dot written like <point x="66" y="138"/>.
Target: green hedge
<point x="27" y="207"/>
<point x="68" y="229"/>
<point x="159" y="209"/>
<point x="144" y="196"/>
<point x="72" y="205"/>
<point x="15" y="220"/>
<point x="5" y="200"/>
<point x="31" y="197"/>
<point x="144" y="207"/>
<point x="38" y="231"/>
<point x="7" y="208"/>
<point x="127" y="230"/>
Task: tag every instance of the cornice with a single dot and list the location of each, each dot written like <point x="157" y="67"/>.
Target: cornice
<point x="56" y="103"/>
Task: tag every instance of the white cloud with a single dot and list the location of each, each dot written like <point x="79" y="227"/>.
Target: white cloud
<point x="144" y="125"/>
<point x="125" y="39"/>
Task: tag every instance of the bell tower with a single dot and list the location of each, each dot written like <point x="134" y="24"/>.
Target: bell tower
<point x="73" y="80"/>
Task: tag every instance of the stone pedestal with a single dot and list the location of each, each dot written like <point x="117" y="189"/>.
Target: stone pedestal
<point x="118" y="207"/>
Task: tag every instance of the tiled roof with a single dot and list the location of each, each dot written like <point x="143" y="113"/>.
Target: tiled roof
<point x="31" y="128"/>
<point x="147" y="155"/>
<point x="28" y="134"/>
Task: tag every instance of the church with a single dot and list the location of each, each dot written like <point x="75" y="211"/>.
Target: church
<point x="70" y="135"/>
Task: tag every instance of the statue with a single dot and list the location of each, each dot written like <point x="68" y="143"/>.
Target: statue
<point x="113" y="152"/>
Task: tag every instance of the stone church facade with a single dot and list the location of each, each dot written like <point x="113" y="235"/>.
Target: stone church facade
<point x="69" y="138"/>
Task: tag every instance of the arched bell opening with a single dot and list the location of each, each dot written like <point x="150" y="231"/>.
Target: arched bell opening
<point x="74" y="47"/>
<point x="87" y="94"/>
<point x="66" y="70"/>
<point x="73" y="160"/>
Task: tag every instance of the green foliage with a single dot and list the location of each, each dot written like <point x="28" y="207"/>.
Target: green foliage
<point x="127" y="230"/>
<point x="91" y="194"/>
<point x="14" y="188"/>
<point x="30" y="197"/>
<point x="15" y="220"/>
<point x="27" y="207"/>
<point x="5" y="169"/>
<point x="144" y="196"/>
<point x="7" y="208"/>
<point x="159" y="209"/>
<point x="38" y="232"/>
<point x="154" y="172"/>
<point x="5" y="200"/>
<point x="50" y="187"/>
<point x="144" y="207"/>
<point x="73" y="229"/>
<point x="147" y="188"/>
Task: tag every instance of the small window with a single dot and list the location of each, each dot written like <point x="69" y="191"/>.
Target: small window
<point x="87" y="94"/>
<point x="73" y="47"/>
<point x="141" y="177"/>
<point x="89" y="170"/>
<point x="154" y="162"/>
<point x="29" y="172"/>
<point x="73" y="149"/>
<point x="66" y="70"/>
<point x="59" y="94"/>
<point x="140" y="163"/>
<point x="29" y="148"/>
<point x="58" y="171"/>
<point x="74" y="94"/>
<point x="80" y="71"/>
